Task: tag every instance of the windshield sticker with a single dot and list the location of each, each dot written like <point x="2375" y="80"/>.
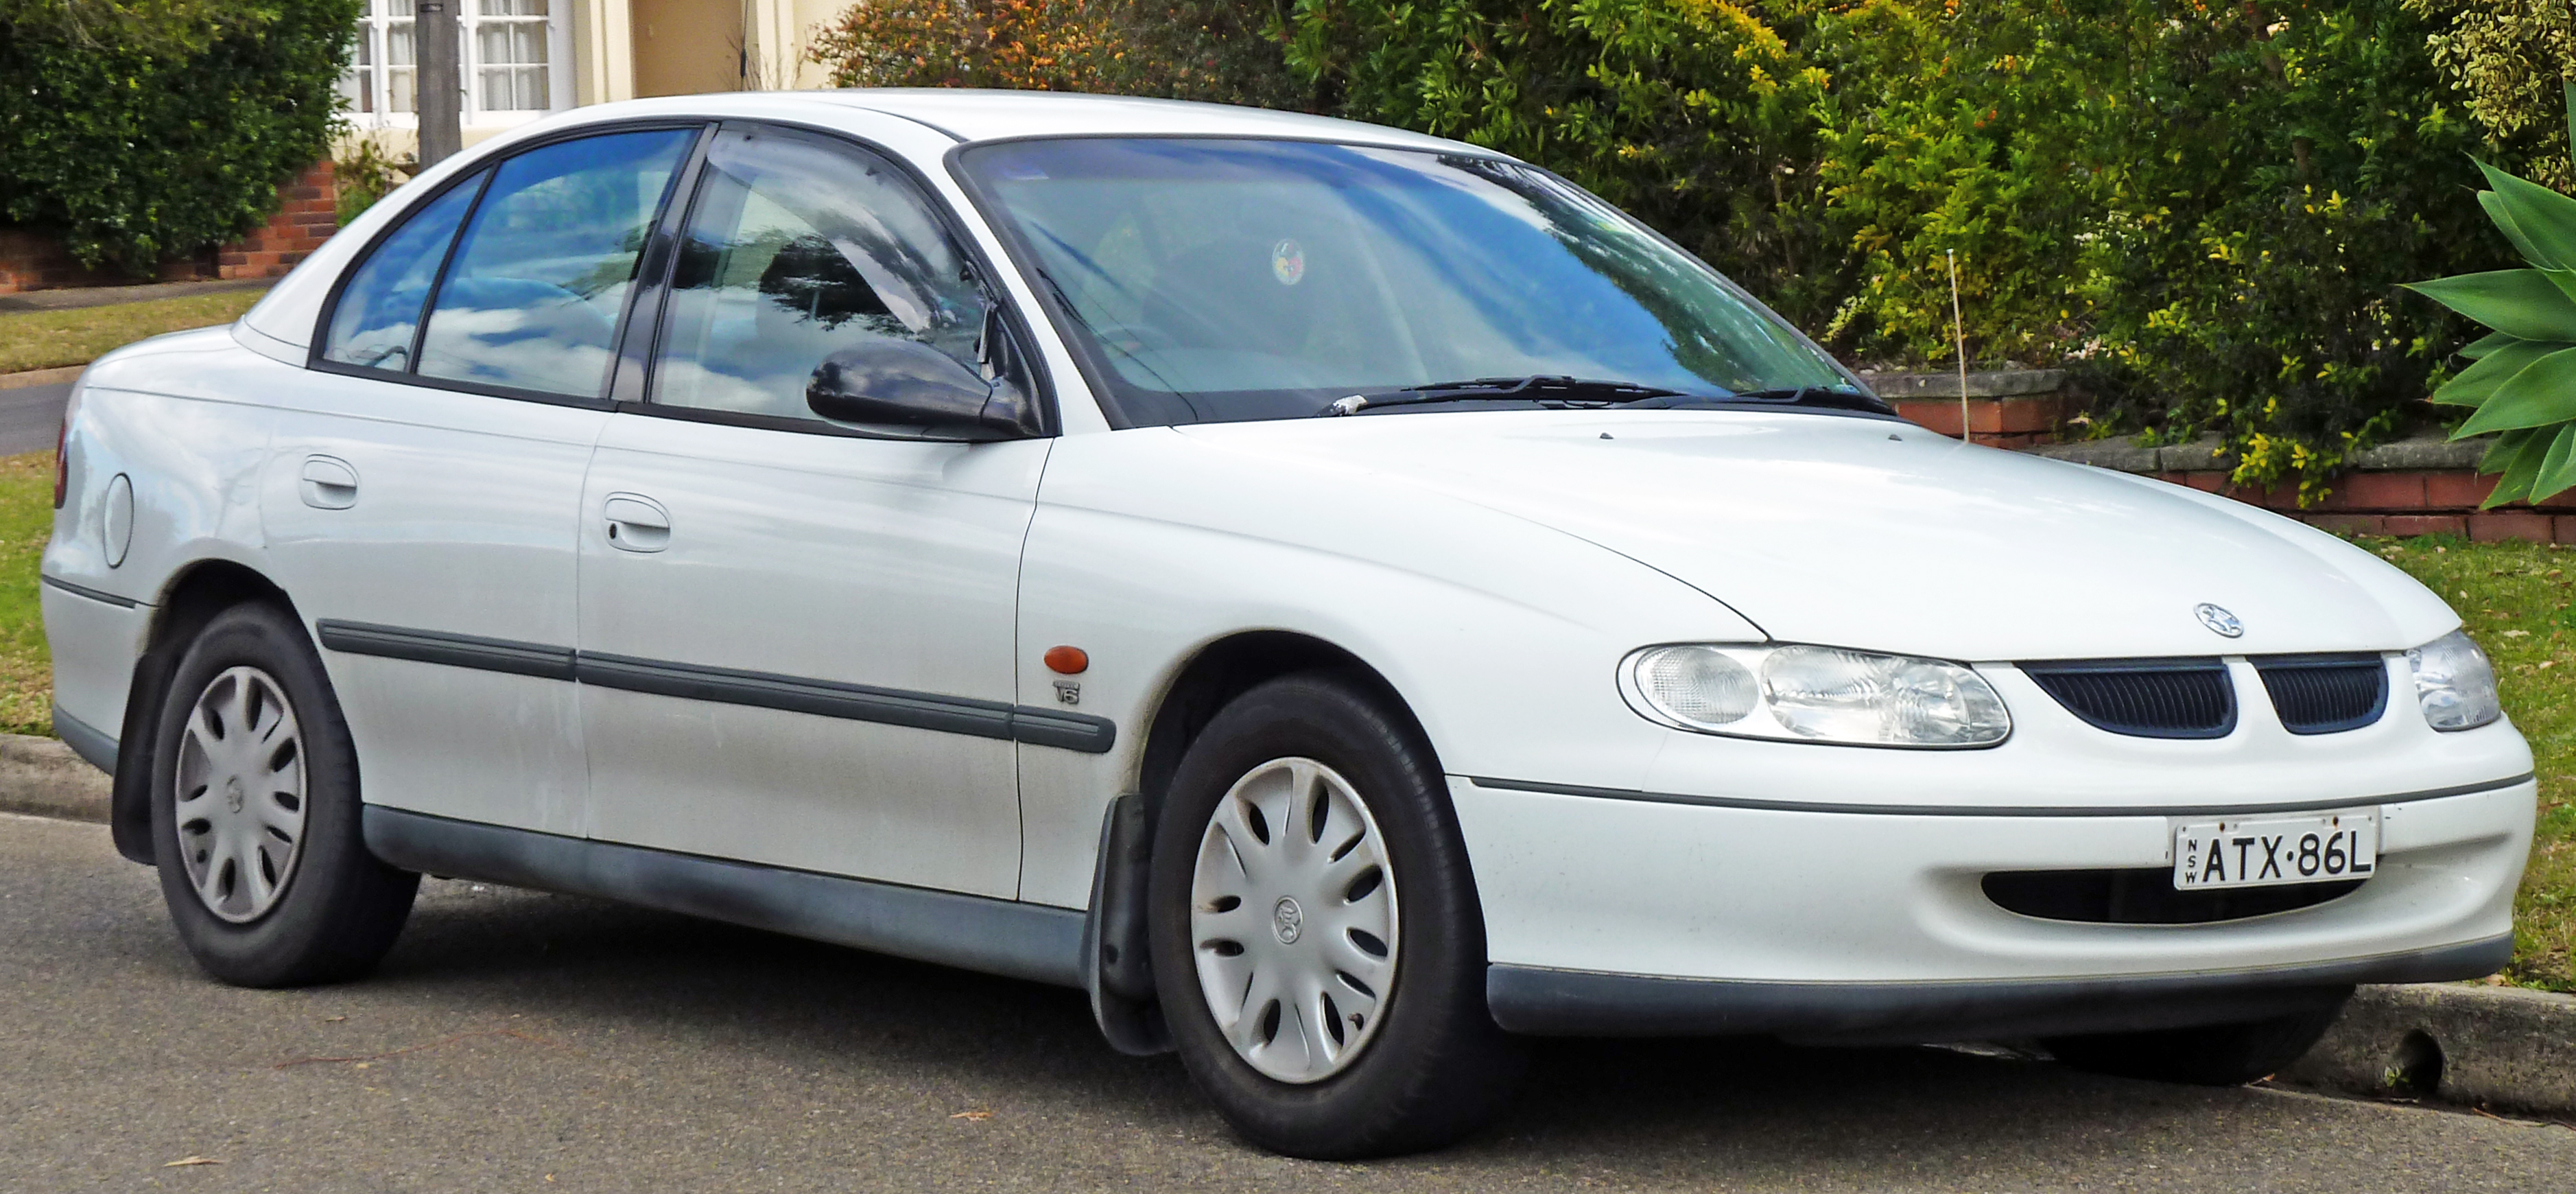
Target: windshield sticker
<point x="1288" y="263"/>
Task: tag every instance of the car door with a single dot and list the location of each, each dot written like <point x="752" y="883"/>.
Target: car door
<point x="425" y="474"/>
<point x="797" y="634"/>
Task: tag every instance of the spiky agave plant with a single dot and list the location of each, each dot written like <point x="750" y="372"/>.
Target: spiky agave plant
<point x="2523" y="376"/>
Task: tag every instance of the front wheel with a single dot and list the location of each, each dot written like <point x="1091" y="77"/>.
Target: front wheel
<point x="2210" y="1055"/>
<point x="1317" y="942"/>
<point x="255" y="819"/>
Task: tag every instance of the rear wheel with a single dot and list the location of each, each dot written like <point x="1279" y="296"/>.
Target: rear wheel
<point x="1317" y="942"/>
<point x="2212" y="1055"/>
<point x="255" y="818"/>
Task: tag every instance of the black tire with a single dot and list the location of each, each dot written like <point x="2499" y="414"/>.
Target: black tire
<point x="337" y="909"/>
<point x="1437" y="1067"/>
<point x="2211" y="1055"/>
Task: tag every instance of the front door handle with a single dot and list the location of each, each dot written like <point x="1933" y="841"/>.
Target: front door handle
<point x="636" y="522"/>
<point x="329" y="483"/>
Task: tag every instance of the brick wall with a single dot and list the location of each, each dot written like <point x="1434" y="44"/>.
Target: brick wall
<point x="2412" y="487"/>
<point x="2017" y="408"/>
<point x="32" y="262"/>
<point x="307" y="215"/>
<point x="305" y="218"/>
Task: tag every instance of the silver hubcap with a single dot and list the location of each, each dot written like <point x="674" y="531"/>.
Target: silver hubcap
<point x="1293" y="920"/>
<point x="240" y="784"/>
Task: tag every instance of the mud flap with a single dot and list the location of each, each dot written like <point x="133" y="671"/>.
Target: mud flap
<point x="1117" y="965"/>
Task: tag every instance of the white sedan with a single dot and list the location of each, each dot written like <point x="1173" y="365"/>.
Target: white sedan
<point x="1344" y="600"/>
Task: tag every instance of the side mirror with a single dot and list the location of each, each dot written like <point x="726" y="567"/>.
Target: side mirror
<point x="904" y="383"/>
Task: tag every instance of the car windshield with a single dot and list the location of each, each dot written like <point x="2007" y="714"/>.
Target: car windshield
<point x="1219" y="280"/>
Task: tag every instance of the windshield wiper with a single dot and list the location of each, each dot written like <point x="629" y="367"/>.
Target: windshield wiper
<point x="1540" y="387"/>
<point x="1826" y="397"/>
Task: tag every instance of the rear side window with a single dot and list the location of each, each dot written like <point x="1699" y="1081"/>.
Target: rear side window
<point x="532" y="298"/>
<point x="379" y="312"/>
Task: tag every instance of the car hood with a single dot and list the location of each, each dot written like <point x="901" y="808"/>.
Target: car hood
<point x="1879" y="534"/>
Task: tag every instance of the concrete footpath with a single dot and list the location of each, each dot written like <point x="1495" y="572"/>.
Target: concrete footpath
<point x="2495" y="1048"/>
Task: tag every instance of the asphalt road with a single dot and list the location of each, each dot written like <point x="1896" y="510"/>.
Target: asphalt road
<point x="517" y="1041"/>
<point x="30" y="416"/>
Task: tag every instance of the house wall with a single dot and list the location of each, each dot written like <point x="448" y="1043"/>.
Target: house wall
<point x="685" y="47"/>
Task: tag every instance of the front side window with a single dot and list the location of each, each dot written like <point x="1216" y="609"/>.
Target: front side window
<point x="797" y="248"/>
<point x="532" y="297"/>
<point x="378" y="314"/>
<point x="1218" y="280"/>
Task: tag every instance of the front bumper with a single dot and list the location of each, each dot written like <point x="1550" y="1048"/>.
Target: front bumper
<point x="1628" y="913"/>
<point x="1546" y="1002"/>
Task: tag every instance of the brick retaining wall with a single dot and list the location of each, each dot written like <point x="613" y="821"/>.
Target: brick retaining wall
<point x="2413" y="487"/>
<point x="306" y="217"/>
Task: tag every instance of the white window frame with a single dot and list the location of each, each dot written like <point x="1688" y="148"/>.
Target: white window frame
<point x="382" y="14"/>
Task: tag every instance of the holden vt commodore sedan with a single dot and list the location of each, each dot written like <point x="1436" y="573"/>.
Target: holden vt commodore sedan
<point x="1343" y="600"/>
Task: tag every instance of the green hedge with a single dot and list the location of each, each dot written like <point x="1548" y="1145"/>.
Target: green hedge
<point x="2205" y="209"/>
<point x="134" y="142"/>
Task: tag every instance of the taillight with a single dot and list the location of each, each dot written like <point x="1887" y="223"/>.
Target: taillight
<point x="62" y="463"/>
<point x="62" y="441"/>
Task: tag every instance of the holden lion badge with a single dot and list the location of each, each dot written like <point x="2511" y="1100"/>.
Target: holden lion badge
<point x="2219" y="621"/>
<point x="1288" y="263"/>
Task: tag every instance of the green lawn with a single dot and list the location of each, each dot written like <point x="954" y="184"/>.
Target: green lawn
<point x="48" y="339"/>
<point x="2515" y="596"/>
<point x="26" y="520"/>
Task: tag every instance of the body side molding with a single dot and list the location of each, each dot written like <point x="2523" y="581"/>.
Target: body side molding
<point x="697" y="682"/>
<point x="1026" y="941"/>
<point x="1955" y="810"/>
<point x="92" y="594"/>
<point x="459" y="650"/>
<point x="95" y="746"/>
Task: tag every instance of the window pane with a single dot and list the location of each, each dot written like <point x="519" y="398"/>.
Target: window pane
<point x="544" y="268"/>
<point x="798" y="249"/>
<point x="381" y="304"/>
<point x="514" y="8"/>
<point x="511" y="57"/>
<point x="400" y="67"/>
<point x="359" y="83"/>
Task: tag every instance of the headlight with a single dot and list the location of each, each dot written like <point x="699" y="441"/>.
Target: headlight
<point x="1813" y="694"/>
<point x="2455" y="683"/>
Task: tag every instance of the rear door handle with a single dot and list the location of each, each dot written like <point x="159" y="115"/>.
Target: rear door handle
<point x="636" y="522"/>
<point x="329" y="483"/>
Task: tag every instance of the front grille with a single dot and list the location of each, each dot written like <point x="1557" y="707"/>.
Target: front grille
<point x="2145" y="896"/>
<point x="2145" y="698"/>
<point x="2325" y="694"/>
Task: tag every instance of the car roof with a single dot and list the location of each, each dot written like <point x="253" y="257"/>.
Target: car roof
<point x="282" y="323"/>
<point x="971" y="115"/>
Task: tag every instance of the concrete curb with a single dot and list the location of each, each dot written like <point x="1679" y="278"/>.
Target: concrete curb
<point x="40" y="377"/>
<point x="2497" y="1047"/>
<point x="42" y="776"/>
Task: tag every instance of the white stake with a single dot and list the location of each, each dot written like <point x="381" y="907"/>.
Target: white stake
<point x="1959" y="328"/>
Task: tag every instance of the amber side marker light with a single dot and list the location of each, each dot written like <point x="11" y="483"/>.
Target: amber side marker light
<point x="1070" y="661"/>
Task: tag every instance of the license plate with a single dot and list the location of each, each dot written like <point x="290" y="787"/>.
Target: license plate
<point x="2265" y="851"/>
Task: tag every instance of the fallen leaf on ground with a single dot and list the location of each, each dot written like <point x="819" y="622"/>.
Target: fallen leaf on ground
<point x="2517" y="633"/>
<point x="363" y="1059"/>
<point x="192" y="1161"/>
<point x="333" y="1019"/>
<point x="977" y="1116"/>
